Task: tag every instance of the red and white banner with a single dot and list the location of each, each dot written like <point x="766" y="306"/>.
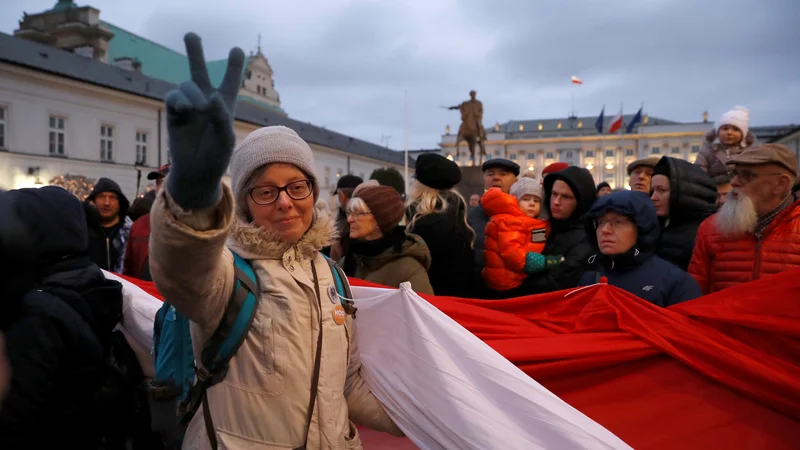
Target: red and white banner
<point x="720" y="371"/>
<point x="616" y="123"/>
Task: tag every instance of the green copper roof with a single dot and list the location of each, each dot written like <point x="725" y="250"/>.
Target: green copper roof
<point x="164" y="63"/>
<point x="63" y="5"/>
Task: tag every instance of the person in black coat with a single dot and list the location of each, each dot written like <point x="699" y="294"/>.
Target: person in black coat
<point x="108" y="225"/>
<point x="568" y="195"/>
<point x="438" y="215"/>
<point x="58" y="306"/>
<point x="684" y="196"/>
<point x="624" y="231"/>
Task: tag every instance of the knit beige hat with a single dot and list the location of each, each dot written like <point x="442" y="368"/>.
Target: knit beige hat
<point x="268" y="145"/>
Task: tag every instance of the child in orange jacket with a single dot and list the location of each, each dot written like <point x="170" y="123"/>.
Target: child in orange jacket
<point x="515" y="235"/>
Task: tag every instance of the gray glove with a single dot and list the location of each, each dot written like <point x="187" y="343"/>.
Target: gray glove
<point x="200" y="129"/>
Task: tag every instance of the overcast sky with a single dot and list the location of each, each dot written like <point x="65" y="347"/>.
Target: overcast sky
<point x="346" y="64"/>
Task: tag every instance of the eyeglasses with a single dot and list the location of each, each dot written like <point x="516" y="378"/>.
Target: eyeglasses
<point x="358" y="215"/>
<point x="746" y="176"/>
<point x="298" y="190"/>
<point x="615" y="224"/>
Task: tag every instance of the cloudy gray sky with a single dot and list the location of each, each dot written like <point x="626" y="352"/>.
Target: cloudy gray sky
<point x="345" y="64"/>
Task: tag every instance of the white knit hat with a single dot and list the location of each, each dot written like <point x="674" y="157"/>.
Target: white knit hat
<point x="270" y="145"/>
<point x="739" y="117"/>
<point x="527" y="186"/>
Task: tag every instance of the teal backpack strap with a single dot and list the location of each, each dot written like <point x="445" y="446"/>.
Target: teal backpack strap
<point x="224" y="343"/>
<point x="342" y="288"/>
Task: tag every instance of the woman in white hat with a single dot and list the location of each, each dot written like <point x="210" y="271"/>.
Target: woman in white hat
<point x="267" y="217"/>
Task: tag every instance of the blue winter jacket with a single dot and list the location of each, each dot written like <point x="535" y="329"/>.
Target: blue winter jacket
<point x="638" y="271"/>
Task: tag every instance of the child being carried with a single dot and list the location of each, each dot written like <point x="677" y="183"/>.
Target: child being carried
<point x="515" y="235"/>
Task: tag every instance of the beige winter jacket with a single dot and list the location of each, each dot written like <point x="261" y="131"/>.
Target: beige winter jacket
<point x="263" y="401"/>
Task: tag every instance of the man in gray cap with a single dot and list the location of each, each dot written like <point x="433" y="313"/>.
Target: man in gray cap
<point x="757" y="231"/>
<point x="500" y="173"/>
<point x="640" y="173"/>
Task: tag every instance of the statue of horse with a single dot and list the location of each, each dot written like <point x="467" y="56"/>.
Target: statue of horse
<point x="471" y="129"/>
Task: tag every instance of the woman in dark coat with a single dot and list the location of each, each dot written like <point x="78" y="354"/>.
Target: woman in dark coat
<point x="438" y="214"/>
<point x="684" y="196"/>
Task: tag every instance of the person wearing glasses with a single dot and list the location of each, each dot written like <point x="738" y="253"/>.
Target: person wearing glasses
<point x="381" y="251"/>
<point x="298" y="338"/>
<point x="756" y="233"/>
<point x="623" y="227"/>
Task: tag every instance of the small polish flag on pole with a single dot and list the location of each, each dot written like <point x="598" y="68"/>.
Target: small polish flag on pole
<point x="616" y="122"/>
<point x="576" y="80"/>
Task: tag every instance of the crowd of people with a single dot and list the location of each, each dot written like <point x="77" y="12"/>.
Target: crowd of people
<point x="683" y="230"/>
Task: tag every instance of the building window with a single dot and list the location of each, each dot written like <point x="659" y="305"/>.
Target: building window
<point x="628" y="152"/>
<point x="676" y="150"/>
<point x="580" y="124"/>
<point x="590" y="153"/>
<point x="655" y="150"/>
<point x="513" y="156"/>
<point x="362" y="176"/>
<point x="540" y="127"/>
<point x="610" y="153"/>
<point x="57" y="135"/>
<point x="141" y="148"/>
<point x="559" y="125"/>
<point x="521" y="127"/>
<point x="339" y="173"/>
<point x="2" y="127"/>
<point x="531" y="155"/>
<point x="327" y="177"/>
<point x="106" y="143"/>
<point x="695" y="149"/>
<point x="497" y="153"/>
<point x="549" y="155"/>
<point x="569" y="154"/>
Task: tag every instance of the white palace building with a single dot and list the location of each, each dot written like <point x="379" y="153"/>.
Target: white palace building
<point x="534" y="144"/>
<point x="80" y="96"/>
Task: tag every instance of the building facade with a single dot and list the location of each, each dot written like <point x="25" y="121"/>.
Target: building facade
<point x="534" y="144"/>
<point x="67" y="113"/>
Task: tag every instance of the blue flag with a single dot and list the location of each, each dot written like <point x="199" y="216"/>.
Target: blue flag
<point x="636" y="119"/>
<point x="599" y="122"/>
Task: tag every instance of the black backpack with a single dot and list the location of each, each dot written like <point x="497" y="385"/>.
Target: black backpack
<point x="120" y="404"/>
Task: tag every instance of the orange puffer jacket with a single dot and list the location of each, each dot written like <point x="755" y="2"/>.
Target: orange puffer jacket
<point x="508" y="240"/>
<point x="719" y="262"/>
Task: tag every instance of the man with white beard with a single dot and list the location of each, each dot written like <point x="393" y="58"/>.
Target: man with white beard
<point x="756" y="233"/>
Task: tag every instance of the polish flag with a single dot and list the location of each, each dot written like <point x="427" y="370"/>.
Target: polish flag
<point x="616" y="123"/>
<point x="576" y="80"/>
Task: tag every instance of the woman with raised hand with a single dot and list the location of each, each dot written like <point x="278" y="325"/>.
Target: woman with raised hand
<point x="267" y="217"/>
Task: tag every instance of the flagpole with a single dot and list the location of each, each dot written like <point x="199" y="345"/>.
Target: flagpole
<point x="621" y="140"/>
<point x="405" y="139"/>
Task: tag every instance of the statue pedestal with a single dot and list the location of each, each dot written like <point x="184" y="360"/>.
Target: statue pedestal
<point x="471" y="182"/>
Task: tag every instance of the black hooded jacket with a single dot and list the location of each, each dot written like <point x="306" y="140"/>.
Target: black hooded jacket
<point x="692" y="199"/>
<point x="106" y="245"/>
<point x="52" y="327"/>
<point x="567" y="237"/>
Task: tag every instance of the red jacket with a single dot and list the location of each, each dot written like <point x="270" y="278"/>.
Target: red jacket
<point x="719" y="262"/>
<point x="138" y="248"/>
<point x="508" y="240"/>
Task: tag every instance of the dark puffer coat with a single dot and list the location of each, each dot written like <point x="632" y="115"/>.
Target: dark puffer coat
<point x="692" y="199"/>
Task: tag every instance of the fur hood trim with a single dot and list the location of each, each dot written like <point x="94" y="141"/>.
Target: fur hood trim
<point x="253" y="242"/>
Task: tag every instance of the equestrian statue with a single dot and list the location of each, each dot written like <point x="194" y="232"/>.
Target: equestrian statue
<point x="471" y="129"/>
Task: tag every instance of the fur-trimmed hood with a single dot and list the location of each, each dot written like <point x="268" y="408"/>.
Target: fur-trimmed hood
<point x="253" y="242"/>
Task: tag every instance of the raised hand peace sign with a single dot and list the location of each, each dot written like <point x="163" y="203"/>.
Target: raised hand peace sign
<point x="200" y="128"/>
